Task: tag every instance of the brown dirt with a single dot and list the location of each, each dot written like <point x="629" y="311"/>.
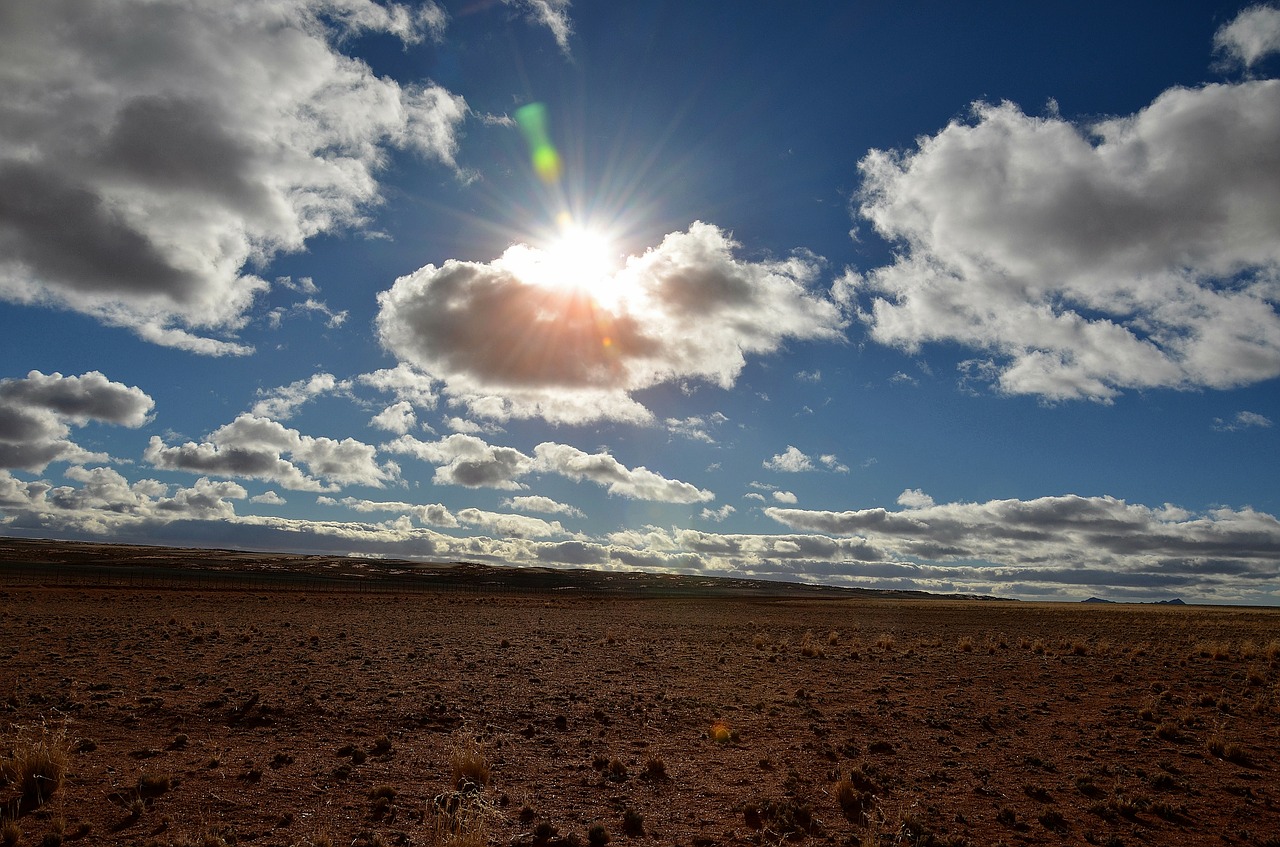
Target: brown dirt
<point x="962" y="723"/>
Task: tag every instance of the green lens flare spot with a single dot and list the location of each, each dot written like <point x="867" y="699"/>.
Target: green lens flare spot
<point x="532" y="120"/>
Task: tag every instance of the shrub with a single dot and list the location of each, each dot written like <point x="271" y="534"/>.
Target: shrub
<point x="632" y="823"/>
<point x="10" y="833"/>
<point x="597" y="836"/>
<point x="656" y="770"/>
<point x="965" y="644"/>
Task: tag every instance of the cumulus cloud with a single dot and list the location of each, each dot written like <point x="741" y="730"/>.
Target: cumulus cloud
<point x="106" y="502"/>
<point x="1251" y="36"/>
<point x="789" y="461"/>
<point x="785" y="497"/>
<point x="717" y="515"/>
<point x="268" y="498"/>
<point x="1059" y="547"/>
<point x="1134" y="252"/>
<point x="538" y="503"/>
<point x="398" y="418"/>
<point x="1242" y="420"/>
<point x="151" y="152"/>
<point x="37" y="412"/>
<point x="405" y="383"/>
<point x="506" y="343"/>
<point x="466" y="460"/>
<point x="833" y="463"/>
<point x="432" y="514"/>
<point x="914" y="498"/>
<point x="470" y="461"/>
<point x="601" y="468"/>
<point x="1107" y="541"/>
<point x="254" y="447"/>
<point x="280" y="403"/>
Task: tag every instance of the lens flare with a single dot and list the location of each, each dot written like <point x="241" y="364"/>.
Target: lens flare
<point x="532" y="120"/>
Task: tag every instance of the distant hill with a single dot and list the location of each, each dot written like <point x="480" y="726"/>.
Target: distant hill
<point x="1176" y="601"/>
<point x="42" y="561"/>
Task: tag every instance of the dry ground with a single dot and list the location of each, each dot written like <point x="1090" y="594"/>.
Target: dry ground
<point x="243" y="717"/>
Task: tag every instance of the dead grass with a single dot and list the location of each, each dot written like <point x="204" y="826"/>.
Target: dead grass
<point x="467" y="763"/>
<point x="37" y="763"/>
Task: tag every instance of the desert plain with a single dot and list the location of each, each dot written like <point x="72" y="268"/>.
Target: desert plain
<point x="258" y="714"/>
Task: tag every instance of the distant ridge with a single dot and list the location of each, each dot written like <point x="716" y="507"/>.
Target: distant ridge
<point x="90" y="563"/>
<point x="1176" y="601"/>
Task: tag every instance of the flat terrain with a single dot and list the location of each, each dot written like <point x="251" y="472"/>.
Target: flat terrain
<point x="309" y="717"/>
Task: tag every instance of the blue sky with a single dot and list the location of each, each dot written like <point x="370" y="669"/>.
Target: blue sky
<point x="884" y="295"/>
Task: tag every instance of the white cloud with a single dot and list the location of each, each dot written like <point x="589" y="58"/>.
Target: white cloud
<point x="1252" y="35"/>
<point x="268" y="498"/>
<point x="105" y="502"/>
<point x="1068" y="539"/>
<point x="833" y="463"/>
<point x="432" y="514"/>
<point x="467" y="460"/>
<point x="405" y="383"/>
<point x="695" y="428"/>
<point x="602" y="469"/>
<point x="280" y="403"/>
<point x="1058" y="547"/>
<point x="914" y="498"/>
<point x="1242" y="420"/>
<point x="254" y="447"/>
<point x="506" y="345"/>
<point x="717" y="515"/>
<point x="1136" y="252"/>
<point x="37" y="412"/>
<point x="538" y="503"/>
<point x="553" y="14"/>
<point x="753" y="495"/>
<point x="511" y="526"/>
<point x="790" y="461"/>
<point x="785" y="497"/>
<point x="150" y="152"/>
<point x="398" y="418"/>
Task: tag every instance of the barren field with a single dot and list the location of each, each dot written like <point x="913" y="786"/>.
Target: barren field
<point x="215" y="717"/>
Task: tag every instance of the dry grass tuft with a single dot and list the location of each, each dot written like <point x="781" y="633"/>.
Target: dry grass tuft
<point x="37" y="764"/>
<point x="810" y="648"/>
<point x="459" y="819"/>
<point x="467" y="763"/>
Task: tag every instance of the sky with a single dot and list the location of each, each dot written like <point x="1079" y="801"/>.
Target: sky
<point x="918" y="295"/>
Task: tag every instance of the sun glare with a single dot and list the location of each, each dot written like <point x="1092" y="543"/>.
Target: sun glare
<point x="577" y="258"/>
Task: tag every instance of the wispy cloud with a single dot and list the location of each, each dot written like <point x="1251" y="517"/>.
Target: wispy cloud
<point x="1251" y="36"/>
<point x="1241" y="420"/>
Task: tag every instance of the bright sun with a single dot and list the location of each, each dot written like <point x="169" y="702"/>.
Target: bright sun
<point x="577" y="258"/>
